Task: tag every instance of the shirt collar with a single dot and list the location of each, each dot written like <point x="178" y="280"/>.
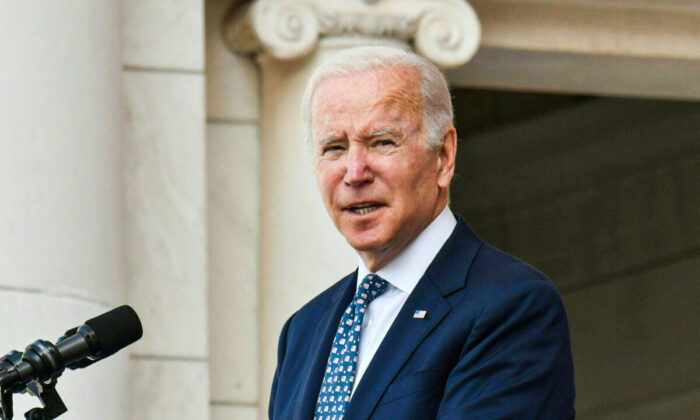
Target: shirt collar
<point x="404" y="271"/>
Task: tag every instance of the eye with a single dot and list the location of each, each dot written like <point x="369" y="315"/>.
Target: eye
<point x="384" y="143"/>
<point x="332" y="149"/>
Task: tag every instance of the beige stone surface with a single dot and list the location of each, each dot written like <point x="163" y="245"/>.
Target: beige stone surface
<point x="164" y="34"/>
<point x="168" y="389"/>
<point x="233" y="216"/>
<point x="604" y="230"/>
<point x="651" y="28"/>
<point x="61" y="183"/>
<point x="60" y="141"/>
<point x="679" y="406"/>
<point x="573" y="147"/>
<point x="232" y="80"/>
<point x="571" y="73"/>
<point x="87" y="393"/>
<point x="221" y="412"/>
<point x="165" y="214"/>
<point x="617" y="47"/>
<point x="587" y="192"/>
<point x="636" y="338"/>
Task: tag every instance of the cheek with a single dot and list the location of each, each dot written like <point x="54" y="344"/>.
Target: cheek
<point x="422" y="180"/>
<point x="327" y="179"/>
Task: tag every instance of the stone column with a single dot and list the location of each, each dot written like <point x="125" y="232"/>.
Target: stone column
<point x="301" y="252"/>
<point x="233" y="185"/>
<point x="61" y="246"/>
<point x="165" y="217"/>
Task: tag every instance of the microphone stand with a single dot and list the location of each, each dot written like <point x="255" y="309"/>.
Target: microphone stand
<point x="45" y="390"/>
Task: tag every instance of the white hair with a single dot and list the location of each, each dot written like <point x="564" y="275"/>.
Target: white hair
<point x="435" y="93"/>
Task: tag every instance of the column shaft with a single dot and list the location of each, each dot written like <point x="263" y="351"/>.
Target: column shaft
<point x="61" y="248"/>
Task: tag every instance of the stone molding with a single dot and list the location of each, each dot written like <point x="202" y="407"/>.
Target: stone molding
<point x="664" y="29"/>
<point x="639" y="48"/>
<point x="447" y="32"/>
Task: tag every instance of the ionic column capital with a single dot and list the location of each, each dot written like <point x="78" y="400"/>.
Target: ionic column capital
<point x="447" y="32"/>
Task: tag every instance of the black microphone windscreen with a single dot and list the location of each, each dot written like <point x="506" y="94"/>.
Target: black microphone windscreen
<point x="116" y="329"/>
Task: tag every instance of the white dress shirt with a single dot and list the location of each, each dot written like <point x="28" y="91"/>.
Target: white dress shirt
<point x="402" y="273"/>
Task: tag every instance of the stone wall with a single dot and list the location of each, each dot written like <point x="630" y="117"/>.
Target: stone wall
<point x="602" y="195"/>
<point x="165" y="179"/>
<point x="61" y="227"/>
<point x="233" y="212"/>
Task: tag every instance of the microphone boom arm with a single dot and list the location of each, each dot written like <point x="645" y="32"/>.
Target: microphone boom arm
<point x="44" y="389"/>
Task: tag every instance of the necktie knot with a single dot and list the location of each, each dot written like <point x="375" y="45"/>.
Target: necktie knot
<point x="371" y="287"/>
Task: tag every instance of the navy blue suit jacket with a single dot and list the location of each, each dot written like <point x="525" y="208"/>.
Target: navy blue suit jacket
<point x="494" y="345"/>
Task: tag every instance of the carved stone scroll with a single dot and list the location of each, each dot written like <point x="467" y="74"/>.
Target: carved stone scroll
<point x="446" y="32"/>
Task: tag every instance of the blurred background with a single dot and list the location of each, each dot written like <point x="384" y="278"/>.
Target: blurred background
<point x="152" y="153"/>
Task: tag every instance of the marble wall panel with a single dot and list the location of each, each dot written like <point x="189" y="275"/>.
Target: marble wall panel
<point x="608" y="229"/>
<point x="220" y="412"/>
<point x="60" y="141"/>
<point x="570" y="149"/>
<point x="572" y="73"/>
<point x="164" y="34"/>
<point x="680" y="406"/>
<point x="232" y="80"/>
<point x="637" y="337"/>
<point x="168" y="389"/>
<point x="233" y="218"/>
<point x="165" y="214"/>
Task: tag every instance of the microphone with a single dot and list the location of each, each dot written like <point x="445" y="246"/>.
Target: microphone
<point x="97" y="339"/>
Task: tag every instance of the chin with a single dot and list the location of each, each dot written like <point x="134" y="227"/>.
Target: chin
<point x="369" y="237"/>
<point x="364" y="244"/>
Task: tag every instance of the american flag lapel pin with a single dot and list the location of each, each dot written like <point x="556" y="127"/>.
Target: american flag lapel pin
<point x="420" y="314"/>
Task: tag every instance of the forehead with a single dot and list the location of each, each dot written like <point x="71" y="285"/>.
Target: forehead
<point x="392" y="92"/>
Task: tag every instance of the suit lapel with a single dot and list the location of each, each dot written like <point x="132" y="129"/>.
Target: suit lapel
<point x="320" y="346"/>
<point x="402" y="338"/>
<point x="446" y="274"/>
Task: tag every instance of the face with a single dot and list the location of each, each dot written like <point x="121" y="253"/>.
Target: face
<point x="379" y="181"/>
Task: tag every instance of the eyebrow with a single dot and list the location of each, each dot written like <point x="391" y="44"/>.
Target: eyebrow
<point x="327" y="140"/>
<point x="382" y="133"/>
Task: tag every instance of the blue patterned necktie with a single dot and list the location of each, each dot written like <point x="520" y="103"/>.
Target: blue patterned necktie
<point x="340" y="370"/>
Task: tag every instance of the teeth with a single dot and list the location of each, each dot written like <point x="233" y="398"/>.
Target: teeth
<point x="364" y="208"/>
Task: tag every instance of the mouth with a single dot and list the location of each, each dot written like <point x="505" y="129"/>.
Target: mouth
<point x="362" y="208"/>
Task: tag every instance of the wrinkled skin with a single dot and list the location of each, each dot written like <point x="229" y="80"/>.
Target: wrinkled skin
<point x="369" y="151"/>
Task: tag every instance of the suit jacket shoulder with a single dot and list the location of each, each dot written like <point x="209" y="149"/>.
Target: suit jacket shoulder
<point x="494" y="344"/>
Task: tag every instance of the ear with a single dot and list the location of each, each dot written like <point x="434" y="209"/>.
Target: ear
<point x="446" y="157"/>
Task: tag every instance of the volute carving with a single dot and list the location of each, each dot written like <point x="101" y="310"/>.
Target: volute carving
<point x="446" y="32"/>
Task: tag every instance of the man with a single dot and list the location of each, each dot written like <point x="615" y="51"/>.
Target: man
<point x="434" y="323"/>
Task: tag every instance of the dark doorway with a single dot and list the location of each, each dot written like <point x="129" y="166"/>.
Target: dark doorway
<point x="603" y="195"/>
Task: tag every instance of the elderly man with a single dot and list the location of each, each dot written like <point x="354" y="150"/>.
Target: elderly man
<point x="434" y="323"/>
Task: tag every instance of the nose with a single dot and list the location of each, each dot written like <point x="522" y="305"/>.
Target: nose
<point x="357" y="169"/>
